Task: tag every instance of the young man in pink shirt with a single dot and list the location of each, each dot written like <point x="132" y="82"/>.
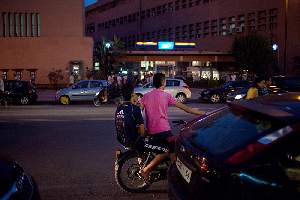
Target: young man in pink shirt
<point x="156" y="105"/>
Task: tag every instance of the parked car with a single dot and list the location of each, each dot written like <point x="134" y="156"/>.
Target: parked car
<point x="219" y="94"/>
<point x="84" y="90"/>
<point x="176" y="87"/>
<point x="248" y="150"/>
<point x="16" y="184"/>
<point x="281" y="84"/>
<point x="22" y="92"/>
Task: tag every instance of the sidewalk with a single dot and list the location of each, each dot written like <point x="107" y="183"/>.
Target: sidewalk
<point x="45" y="95"/>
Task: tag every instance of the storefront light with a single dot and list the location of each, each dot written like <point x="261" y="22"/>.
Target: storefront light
<point x="185" y="43"/>
<point x="146" y="43"/>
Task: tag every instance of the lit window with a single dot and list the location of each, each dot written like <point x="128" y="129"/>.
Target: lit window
<point x="38" y="20"/>
<point x="18" y="75"/>
<point x="17" y="24"/>
<point x="5" y="25"/>
<point x="32" y="76"/>
<point x="4" y="75"/>
<point x="27" y="24"/>
<point x="11" y="27"/>
<point x="22" y="24"/>
<point x="32" y="24"/>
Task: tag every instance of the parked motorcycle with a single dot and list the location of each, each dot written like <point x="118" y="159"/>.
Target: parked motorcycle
<point x="129" y="162"/>
<point x="104" y="96"/>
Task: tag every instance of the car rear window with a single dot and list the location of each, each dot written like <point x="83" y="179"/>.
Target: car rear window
<point x="95" y="84"/>
<point x="170" y="83"/>
<point x="228" y="130"/>
<point x="15" y="85"/>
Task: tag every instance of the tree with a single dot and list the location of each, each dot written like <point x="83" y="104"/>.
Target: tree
<point x="54" y="76"/>
<point x="105" y="52"/>
<point x="254" y="53"/>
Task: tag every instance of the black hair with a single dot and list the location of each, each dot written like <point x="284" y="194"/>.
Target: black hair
<point x="258" y="80"/>
<point x="127" y="91"/>
<point x="158" y="80"/>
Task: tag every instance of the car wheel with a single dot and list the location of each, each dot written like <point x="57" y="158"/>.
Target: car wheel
<point x="24" y="100"/>
<point x="215" y="98"/>
<point x="64" y="100"/>
<point x="181" y="97"/>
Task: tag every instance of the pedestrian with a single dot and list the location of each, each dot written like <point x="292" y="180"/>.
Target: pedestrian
<point x="257" y="89"/>
<point x="110" y="79"/>
<point x="71" y="79"/>
<point x="119" y="80"/>
<point x="1" y="85"/>
<point x="266" y="89"/>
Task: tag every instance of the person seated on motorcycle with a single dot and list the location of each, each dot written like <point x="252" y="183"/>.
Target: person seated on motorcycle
<point x="257" y="89"/>
<point x="128" y="119"/>
<point x="156" y="105"/>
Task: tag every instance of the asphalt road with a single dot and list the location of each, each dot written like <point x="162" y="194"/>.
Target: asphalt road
<point x="70" y="149"/>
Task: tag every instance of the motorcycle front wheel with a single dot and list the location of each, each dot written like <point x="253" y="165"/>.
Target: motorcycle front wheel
<point x="126" y="173"/>
<point x="97" y="102"/>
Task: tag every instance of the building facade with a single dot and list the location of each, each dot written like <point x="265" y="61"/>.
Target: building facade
<point x="211" y="24"/>
<point x="40" y="37"/>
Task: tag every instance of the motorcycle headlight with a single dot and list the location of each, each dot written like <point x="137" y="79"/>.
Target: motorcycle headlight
<point x="239" y="96"/>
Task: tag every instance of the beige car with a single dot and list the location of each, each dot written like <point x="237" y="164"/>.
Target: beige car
<point x="176" y="87"/>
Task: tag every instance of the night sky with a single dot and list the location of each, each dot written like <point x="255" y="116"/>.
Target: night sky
<point x="88" y="2"/>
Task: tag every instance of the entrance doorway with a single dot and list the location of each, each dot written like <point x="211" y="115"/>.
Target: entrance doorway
<point x="76" y="70"/>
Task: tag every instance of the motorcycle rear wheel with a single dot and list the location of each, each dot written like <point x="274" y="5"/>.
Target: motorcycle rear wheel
<point x="126" y="173"/>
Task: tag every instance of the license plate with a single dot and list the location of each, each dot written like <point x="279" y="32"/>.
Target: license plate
<point x="185" y="172"/>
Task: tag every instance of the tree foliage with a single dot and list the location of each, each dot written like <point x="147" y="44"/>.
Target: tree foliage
<point x="254" y="53"/>
<point x="55" y="76"/>
<point x="106" y="56"/>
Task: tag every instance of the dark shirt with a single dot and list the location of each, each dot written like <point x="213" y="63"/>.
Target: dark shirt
<point x="263" y="91"/>
<point x="127" y="118"/>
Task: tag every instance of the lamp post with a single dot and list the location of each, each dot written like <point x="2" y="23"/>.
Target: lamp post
<point x="275" y="48"/>
<point x="286" y="7"/>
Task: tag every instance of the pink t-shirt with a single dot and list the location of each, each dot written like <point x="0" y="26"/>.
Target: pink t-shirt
<point x="156" y="105"/>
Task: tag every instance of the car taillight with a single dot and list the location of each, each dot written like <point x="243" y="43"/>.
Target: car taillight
<point x="201" y="163"/>
<point x="258" y="146"/>
<point x="246" y="153"/>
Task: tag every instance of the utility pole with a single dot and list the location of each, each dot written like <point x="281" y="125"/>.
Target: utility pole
<point x="286" y="7"/>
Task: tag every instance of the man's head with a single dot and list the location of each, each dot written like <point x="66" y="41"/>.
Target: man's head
<point x="260" y="82"/>
<point x="268" y="81"/>
<point x="127" y="91"/>
<point x="159" y="80"/>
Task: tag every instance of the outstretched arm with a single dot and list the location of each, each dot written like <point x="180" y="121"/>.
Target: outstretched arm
<point x="189" y="109"/>
<point x="141" y="130"/>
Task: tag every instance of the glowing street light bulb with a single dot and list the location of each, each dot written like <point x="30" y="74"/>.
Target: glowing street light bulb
<point x="107" y="45"/>
<point x="275" y="47"/>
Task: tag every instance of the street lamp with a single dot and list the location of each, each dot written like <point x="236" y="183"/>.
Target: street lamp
<point x="275" y="47"/>
<point x="107" y="45"/>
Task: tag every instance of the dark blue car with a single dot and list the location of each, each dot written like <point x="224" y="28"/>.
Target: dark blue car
<point x="219" y="94"/>
<point x="247" y="150"/>
<point x="15" y="183"/>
